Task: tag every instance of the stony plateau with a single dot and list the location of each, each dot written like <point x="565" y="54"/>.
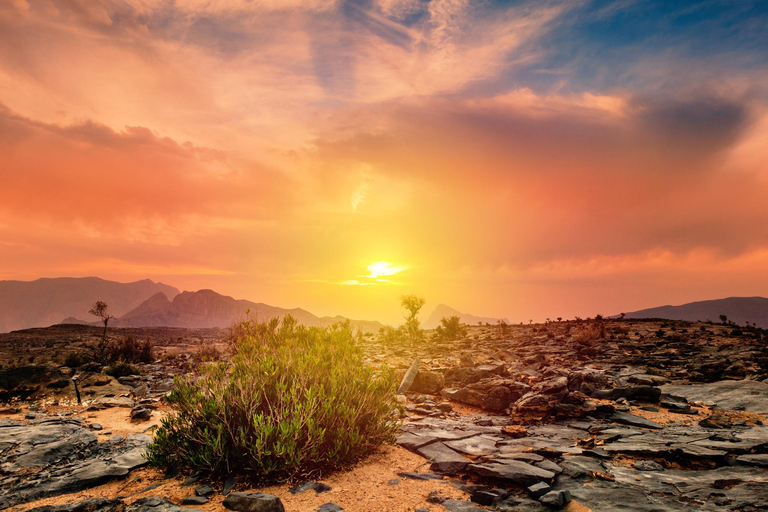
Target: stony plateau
<point x="604" y="415"/>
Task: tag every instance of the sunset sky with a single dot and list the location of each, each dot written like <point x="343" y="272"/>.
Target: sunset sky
<point x="521" y="159"/>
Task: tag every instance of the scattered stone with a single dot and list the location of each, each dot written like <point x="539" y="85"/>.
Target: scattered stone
<point x="89" y="505"/>
<point x="95" y="426"/>
<point x="140" y="414"/>
<point x="648" y="465"/>
<point x="204" y="490"/>
<point x="229" y="484"/>
<point x="191" y="479"/>
<point x="394" y="481"/>
<point x="329" y="507"/>
<point x="419" y="476"/>
<point x="716" y="420"/>
<point x="255" y="502"/>
<point x="556" y="498"/>
<point x="641" y="393"/>
<point x="318" y="487"/>
<point x="461" y="506"/>
<point x="435" y="497"/>
<point x="156" y="504"/>
<point x="635" y="421"/>
<point x="538" y="490"/>
<point x="486" y="497"/>
<point x="195" y="500"/>
<point x="409" y="377"/>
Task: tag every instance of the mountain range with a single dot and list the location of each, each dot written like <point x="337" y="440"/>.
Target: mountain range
<point x="206" y="308"/>
<point x="47" y="301"/>
<point x="737" y="309"/>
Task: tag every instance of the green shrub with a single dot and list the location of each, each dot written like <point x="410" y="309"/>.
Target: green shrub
<point x="390" y="335"/>
<point x="122" y="369"/>
<point x="294" y="401"/>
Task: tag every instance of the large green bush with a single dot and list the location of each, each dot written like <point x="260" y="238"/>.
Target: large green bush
<point x="293" y="401"/>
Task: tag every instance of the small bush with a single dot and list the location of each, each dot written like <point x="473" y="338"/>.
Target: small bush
<point x="589" y="333"/>
<point x="390" y="335"/>
<point x="450" y="329"/>
<point x="122" y="369"/>
<point x="130" y="350"/>
<point x="76" y="359"/>
<point x="206" y="352"/>
<point x="294" y="401"/>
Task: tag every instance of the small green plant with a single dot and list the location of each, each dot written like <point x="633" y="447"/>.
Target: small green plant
<point x="450" y="329"/>
<point x="390" y="335"/>
<point x="293" y="401"/>
<point x="122" y="369"/>
<point x="206" y="352"/>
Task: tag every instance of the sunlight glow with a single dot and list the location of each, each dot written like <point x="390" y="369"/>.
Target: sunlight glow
<point x="384" y="268"/>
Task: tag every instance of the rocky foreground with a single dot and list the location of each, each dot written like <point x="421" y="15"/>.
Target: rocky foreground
<point x="598" y="415"/>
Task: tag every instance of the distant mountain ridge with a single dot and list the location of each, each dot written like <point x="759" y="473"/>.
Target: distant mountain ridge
<point x="737" y="309"/>
<point x="443" y="311"/>
<point x="206" y="308"/>
<point x="49" y="301"/>
<point x="46" y="301"/>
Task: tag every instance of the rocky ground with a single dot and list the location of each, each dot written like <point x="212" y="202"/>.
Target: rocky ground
<point x="589" y="415"/>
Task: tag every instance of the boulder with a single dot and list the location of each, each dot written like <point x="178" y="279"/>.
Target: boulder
<point x="428" y="381"/>
<point x="493" y="394"/>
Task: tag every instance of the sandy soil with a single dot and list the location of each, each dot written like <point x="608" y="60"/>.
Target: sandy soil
<point x="364" y="488"/>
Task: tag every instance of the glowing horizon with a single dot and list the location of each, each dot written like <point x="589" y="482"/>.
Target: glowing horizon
<point x="510" y="159"/>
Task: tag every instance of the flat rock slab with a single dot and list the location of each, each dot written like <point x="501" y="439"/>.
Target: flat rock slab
<point x="758" y="459"/>
<point x="725" y="488"/>
<point x="635" y="421"/>
<point x="62" y="456"/>
<point x="444" y="459"/>
<point x="112" y="401"/>
<point x="729" y="395"/>
<point x="478" y="445"/>
<point x="513" y="471"/>
<point x="419" y="476"/>
<point x="461" y="506"/>
<point x="89" y="505"/>
<point x="149" y="504"/>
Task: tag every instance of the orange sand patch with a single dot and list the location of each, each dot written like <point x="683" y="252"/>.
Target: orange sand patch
<point x="117" y="420"/>
<point x="575" y="506"/>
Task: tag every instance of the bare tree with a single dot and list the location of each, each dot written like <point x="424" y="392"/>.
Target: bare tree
<point x="100" y="310"/>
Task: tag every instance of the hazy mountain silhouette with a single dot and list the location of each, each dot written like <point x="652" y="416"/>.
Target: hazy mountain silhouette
<point x="737" y="309"/>
<point x="206" y="308"/>
<point x="446" y="311"/>
<point x="46" y="301"/>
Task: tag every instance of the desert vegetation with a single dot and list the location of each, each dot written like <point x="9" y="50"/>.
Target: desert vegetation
<point x="450" y="329"/>
<point x="292" y="401"/>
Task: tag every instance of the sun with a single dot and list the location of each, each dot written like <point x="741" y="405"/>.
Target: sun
<point x="381" y="269"/>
